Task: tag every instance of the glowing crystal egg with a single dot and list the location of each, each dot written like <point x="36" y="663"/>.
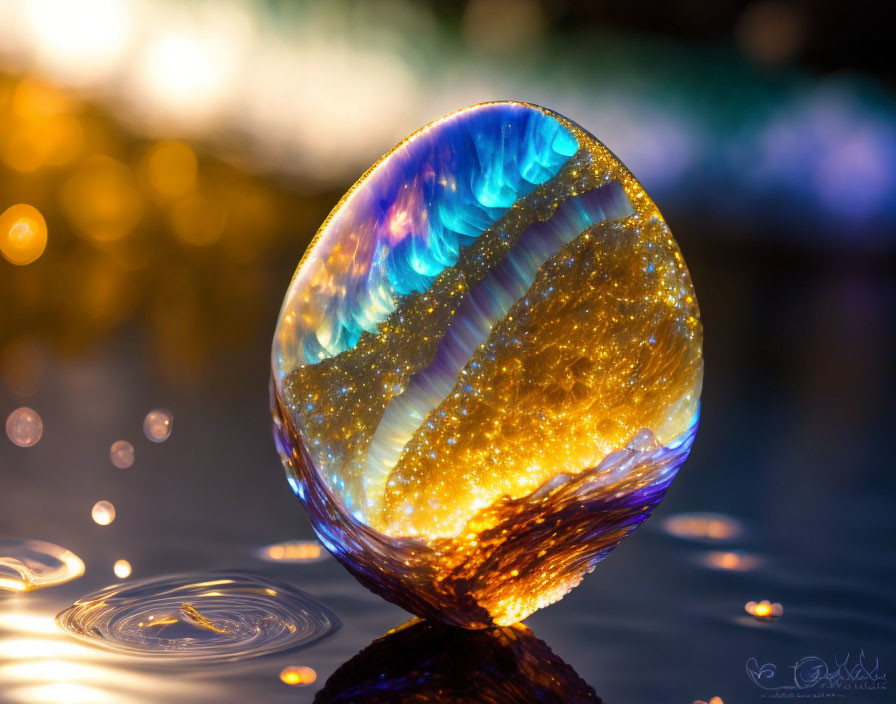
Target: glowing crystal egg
<point x="487" y="367"/>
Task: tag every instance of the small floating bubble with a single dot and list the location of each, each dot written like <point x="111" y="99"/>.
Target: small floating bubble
<point x="292" y="551"/>
<point x="32" y="564"/>
<point x="158" y="424"/>
<point x="24" y="427"/>
<point x="219" y="617"/>
<point x="764" y="610"/>
<point x="122" y="454"/>
<point x="703" y="526"/>
<point x="103" y="512"/>
<point x="298" y="676"/>
<point x="122" y="569"/>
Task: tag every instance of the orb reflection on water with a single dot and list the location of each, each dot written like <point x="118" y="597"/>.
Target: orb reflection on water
<point x="426" y="662"/>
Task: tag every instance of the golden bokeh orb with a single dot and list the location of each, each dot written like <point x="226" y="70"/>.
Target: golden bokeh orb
<point x="23" y="234"/>
<point x="103" y="513"/>
<point x="298" y="676"/>
<point x="171" y="168"/>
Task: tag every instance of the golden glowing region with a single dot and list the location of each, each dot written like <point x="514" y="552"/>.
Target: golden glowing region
<point x="764" y="610"/>
<point x="298" y="676"/>
<point x="103" y="513"/>
<point x="487" y="366"/>
<point x="709" y="527"/>
<point x="733" y="561"/>
<point x="293" y="551"/>
<point x="122" y="569"/>
<point x="31" y="564"/>
<point x="23" y="234"/>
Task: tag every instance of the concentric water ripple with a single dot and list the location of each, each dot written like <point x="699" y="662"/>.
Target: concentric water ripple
<point x="217" y="617"/>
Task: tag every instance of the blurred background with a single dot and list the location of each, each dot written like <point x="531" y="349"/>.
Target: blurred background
<point x="182" y="155"/>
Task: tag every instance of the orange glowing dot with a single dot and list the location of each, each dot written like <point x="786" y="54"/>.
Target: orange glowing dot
<point x="122" y="569"/>
<point x="158" y="424"/>
<point x="714" y="700"/>
<point x="103" y="513"/>
<point x="764" y="609"/>
<point x="122" y="454"/>
<point x="298" y="676"/>
<point x="24" y="427"/>
<point x="23" y="234"/>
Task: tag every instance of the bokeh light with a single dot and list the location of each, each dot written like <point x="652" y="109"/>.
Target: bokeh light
<point x="103" y="513"/>
<point x="158" y="424"/>
<point x="23" y="364"/>
<point x="121" y="454"/>
<point x="298" y="676"/>
<point x="293" y="551"/>
<point x="731" y="561"/>
<point x="171" y="168"/>
<point x="102" y="199"/>
<point x="710" y="527"/>
<point x="23" y="234"/>
<point x="122" y="569"/>
<point x="80" y="41"/>
<point x="24" y="427"/>
<point x="764" y="610"/>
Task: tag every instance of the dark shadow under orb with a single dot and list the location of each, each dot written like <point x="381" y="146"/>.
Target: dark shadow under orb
<point x="424" y="661"/>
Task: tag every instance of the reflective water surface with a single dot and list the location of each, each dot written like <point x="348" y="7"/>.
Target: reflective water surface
<point x="794" y="450"/>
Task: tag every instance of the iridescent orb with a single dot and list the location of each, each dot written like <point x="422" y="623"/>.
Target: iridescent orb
<point x="487" y="367"/>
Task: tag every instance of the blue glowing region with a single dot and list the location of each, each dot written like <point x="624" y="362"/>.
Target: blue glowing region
<point x="408" y="220"/>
